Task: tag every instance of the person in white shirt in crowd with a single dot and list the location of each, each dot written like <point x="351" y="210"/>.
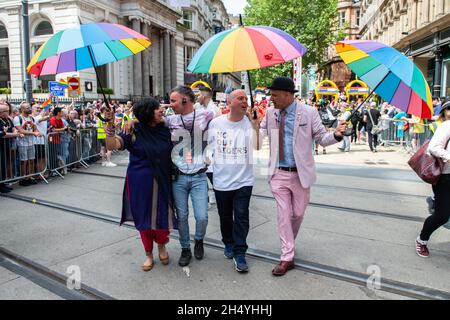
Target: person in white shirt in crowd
<point x="230" y="139"/>
<point x="24" y="123"/>
<point x="439" y="147"/>
<point x="345" y="116"/>
<point x="205" y="101"/>
<point x="41" y="118"/>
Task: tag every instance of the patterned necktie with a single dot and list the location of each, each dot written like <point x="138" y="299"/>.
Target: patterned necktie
<point x="281" y="136"/>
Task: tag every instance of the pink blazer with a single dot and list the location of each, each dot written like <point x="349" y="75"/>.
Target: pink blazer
<point x="308" y="127"/>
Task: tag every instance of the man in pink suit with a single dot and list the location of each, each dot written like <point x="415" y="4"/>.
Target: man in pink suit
<point x="292" y="127"/>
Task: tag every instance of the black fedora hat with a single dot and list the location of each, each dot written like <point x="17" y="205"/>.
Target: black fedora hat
<point x="283" y="84"/>
<point x="445" y="106"/>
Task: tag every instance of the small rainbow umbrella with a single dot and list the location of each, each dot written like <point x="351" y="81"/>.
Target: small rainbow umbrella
<point x="245" y="48"/>
<point x="390" y="74"/>
<point x="86" y="46"/>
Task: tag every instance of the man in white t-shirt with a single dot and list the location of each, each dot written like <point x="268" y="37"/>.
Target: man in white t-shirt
<point x="41" y="118"/>
<point x="230" y="139"/>
<point x="205" y="101"/>
<point x="24" y="123"/>
<point x="188" y="126"/>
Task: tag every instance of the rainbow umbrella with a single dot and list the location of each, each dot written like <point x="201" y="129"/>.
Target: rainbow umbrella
<point x="86" y="46"/>
<point x="245" y="48"/>
<point x="390" y="74"/>
<point x="71" y="49"/>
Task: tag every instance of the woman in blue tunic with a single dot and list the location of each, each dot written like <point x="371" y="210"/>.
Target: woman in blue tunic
<point x="147" y="195"/>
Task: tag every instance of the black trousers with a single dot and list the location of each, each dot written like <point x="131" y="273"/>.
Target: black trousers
<point x="354" y="131"/>
<point x="441" y="210"/>
<point x="373" y="139"/>
<point x="233" y="207"/>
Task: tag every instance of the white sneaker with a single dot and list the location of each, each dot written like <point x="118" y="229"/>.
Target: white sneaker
<point x="110" y="164"/>
<point x="104" y="164"/>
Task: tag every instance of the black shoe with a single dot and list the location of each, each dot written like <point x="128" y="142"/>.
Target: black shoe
<point x="5" y="189"/>
<point x="24" y="183"/>
<point x="32" y="181"/>
<point x="198" y="249"/>
<point x="185" y="258"/>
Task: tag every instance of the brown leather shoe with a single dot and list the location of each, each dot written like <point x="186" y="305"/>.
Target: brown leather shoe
<point x="148" y="267"/>
<point x="283" y="267"/>
<point x="164" y="260"/>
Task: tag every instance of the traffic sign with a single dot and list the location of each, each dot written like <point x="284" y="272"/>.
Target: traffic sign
<point x="57" y="89"/>
<point x="74" y="87"/>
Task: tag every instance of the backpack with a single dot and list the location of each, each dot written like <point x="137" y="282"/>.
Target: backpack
<point x="21" y="120"/>
<point x="325" y="118"/>
<point x="356" y="116"/>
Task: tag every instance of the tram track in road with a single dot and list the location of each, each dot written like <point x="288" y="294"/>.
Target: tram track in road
<point x="312" y="204"/>
<point x="47" y="279"/>
<point x="357" y="278"/>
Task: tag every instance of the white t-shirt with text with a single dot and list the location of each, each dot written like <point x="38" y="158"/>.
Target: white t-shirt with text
<point x="232" y="145"/>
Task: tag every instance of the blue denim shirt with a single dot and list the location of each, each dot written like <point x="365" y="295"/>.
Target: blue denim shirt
<point x="289" y="125"/>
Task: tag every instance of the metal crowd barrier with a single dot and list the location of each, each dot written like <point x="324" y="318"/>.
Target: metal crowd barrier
<point x="22" y="158"/>
<point x="411" y="138"/>
<point x="48" y="155"/>
<point x="90" y="145"/>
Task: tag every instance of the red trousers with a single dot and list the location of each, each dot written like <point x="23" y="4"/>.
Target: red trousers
<point x="159" y="236"/>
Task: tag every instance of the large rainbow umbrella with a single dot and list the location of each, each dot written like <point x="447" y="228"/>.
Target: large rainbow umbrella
<point x="86" y="46"/>
<point x="390" y="74"/>
<point x="245" y="48"/>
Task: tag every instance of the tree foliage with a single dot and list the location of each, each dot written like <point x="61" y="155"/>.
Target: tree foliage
<point x="314" y="23"/>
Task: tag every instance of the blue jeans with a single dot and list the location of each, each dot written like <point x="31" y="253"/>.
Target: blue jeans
<point x="234" y="217"/>
<point x="197" y="187"/>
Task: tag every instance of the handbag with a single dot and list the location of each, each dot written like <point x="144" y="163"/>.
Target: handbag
<point x="428" y="167"/>
<point x="376" y="128"/>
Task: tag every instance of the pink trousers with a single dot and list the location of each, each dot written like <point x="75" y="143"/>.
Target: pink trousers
<point x="292" y="200"/>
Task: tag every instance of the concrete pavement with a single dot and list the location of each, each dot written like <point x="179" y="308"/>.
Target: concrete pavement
<point x="110" y="256"/>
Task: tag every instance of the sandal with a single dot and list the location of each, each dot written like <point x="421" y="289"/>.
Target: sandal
<point x="164" y="260"/>
<point x="149" y="267"/>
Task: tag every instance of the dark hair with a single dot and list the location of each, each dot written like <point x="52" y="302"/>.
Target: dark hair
<point x="435" y="98"/>
<point x="56" y="111"/>
<point x="185" y="91"/>
<point x="144" y="110"/>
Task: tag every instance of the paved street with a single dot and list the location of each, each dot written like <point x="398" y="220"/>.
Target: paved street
<point x="364" y="215"/>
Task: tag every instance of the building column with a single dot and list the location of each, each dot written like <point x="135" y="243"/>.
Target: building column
<point x="167" y="58"/>
<point x="146" y="63"/>
<point x="439" y="8"/>
<point x="137" y="64"/>
<point x="414" y="15"/>
<point x="173" y="60"/>
<point x="425" y="11"/>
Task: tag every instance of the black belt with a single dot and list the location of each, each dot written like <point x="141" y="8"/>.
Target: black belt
<point x="293" y="169"/>
<point x="193" y="174"/>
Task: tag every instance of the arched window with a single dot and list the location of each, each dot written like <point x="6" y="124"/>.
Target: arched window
<point x="3" y="32"/>
<point x="43" y="28"/>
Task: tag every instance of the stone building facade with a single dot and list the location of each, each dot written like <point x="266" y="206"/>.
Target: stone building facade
<point x="153" y="72"/>
<point x="203" y="19"/>
<point x="419" y="28"/>
<point x="348" y="20"/>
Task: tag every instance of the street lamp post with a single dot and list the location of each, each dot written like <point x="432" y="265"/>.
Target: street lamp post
<point x="26" y="49"/>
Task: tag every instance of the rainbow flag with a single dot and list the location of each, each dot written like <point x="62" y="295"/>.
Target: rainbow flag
<point x="63" y="83"/>
<point x="260" y="89"/>
<point x="47" y="103"/>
